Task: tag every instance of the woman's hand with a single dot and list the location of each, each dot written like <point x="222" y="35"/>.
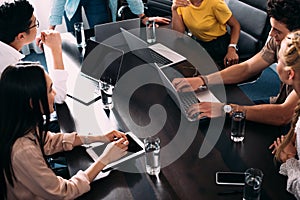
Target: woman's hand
<point x="276" y="144"/>
<point x="161" y="20"/>
<point x="231" y="57"/>
<point x="114" y="151"/>
<point x="114" y="135"/>
<point x="180" y="3"/>
<point x="288" y="152"/>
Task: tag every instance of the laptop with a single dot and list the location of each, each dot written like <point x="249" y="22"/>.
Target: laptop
<point x="157" y="53"/>
<point x="97" y="57"/>
<point x="106" y="31"/>
<point x="135" y="149"/>
<point x="183" y="99"/>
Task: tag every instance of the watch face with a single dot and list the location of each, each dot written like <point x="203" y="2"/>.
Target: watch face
<point x="227" y="108"/>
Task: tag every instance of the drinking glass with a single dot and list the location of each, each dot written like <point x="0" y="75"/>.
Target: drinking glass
<point x="253" y="181"/>
<point x="238" y="122"/>
<point x="150" y="31"/>
<point x="79" y="34"/>
<point x="152" y="149"/>
<point x="106" y="95"/>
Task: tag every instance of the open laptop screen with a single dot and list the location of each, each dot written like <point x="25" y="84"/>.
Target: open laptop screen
<point x="102" y="62"/>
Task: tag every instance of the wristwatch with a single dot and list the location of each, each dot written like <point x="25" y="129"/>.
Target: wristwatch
<point x="227" y="108"/>
<point x="234" y="46"/>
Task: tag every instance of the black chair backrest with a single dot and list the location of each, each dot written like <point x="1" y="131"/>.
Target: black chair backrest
<point x="159" y="8"/>
<point x="255" y="25"/>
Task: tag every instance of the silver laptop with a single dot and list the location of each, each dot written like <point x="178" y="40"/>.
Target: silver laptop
<point x="183" y="99"/>
<point x="157" y="53"/>
<point x="109" y="33"/>
<point x="135" y="149"/>
<point x="101" y="62"/>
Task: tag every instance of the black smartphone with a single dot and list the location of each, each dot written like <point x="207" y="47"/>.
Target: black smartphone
<point x="230" y="178"/>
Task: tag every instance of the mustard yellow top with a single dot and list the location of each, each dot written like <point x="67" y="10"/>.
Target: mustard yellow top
<point x="208" y="21"/>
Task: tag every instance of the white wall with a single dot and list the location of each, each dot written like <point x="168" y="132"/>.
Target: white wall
<point x="42" y="10"/>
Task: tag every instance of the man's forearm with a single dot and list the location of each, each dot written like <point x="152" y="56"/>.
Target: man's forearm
<point x="274" y="114"/>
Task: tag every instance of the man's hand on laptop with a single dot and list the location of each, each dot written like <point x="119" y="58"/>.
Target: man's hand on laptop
<point x="206" y="109"/>
<point x="187" y="84"/>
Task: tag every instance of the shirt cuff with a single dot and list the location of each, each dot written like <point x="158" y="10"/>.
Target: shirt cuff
<point x="59" y="78"/>
<point x="68" y="141"/>
<point x="55" y="20"/>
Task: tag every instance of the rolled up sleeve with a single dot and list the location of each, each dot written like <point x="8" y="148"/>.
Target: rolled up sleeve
<point x="58" y="142"/>
<point x="136" y="6"/>
<point x="57" y="12"/>
<point x="59" y="78"/>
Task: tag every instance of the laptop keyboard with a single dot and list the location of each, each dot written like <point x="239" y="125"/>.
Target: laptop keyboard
<point x="150" y="56"/>
<point x="159" y="59"/>
<point x="187" y="99"/>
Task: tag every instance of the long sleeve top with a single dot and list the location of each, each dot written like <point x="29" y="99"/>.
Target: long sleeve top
<point x="10" y="56"/>
<point x="70" y="6"/>
<point x="291" y="168"/>
<point x="35" y="180"/>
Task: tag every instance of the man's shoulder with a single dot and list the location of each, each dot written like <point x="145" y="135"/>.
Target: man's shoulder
<point x="269" y="51"/>
<point x="8" y="56"/>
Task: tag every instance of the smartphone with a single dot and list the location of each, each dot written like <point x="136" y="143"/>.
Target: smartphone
<point x="230" y="178"/>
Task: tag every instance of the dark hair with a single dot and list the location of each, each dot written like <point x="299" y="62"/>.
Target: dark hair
<point x="15" y="18"/>
<point x="285" y="11"/>
<point x="23" y="102"/>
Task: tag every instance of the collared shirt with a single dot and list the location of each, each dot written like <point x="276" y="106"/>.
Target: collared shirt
<point x="35" y="180"/>
<point x="10" y="56"/>
<point x="70" y="6"/>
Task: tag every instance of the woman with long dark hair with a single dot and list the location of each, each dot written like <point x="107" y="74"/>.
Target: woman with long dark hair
<point x="26" y="96"/>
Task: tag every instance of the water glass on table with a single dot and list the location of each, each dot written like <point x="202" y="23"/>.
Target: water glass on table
<point x="152" y="159"/>
<point x="106" y="94"/>
<point x="79" y="34"/>
<point x="238" y="121"/>
<point x="253" y="182"/>
<point x="150" y="31"/>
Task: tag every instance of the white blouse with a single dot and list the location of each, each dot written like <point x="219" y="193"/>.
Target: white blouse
<point x="291" y="168"/>
<point x="10" y="56"/>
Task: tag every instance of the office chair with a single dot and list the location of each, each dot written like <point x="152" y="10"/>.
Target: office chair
<point x="159" y="7"/>
<point x="255" y="25"/>
<point x="124" y="11"/>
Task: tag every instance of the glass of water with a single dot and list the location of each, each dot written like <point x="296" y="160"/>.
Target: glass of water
<point x="79" y="34"/>
<point x="106" y="95"/>
<point x="152" y="160"/>
<point x="253" y="182"/>
<point x="238" y="122"/>
<point x="150" y="31"/>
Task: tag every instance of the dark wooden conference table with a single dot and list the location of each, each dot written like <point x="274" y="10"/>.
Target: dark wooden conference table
<point x="188" y="177"/>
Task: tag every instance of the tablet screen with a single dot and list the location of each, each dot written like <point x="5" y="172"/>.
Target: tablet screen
<point x="135" y="148"/>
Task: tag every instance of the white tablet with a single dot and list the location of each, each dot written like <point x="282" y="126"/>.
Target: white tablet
<point x="135" y="149"/>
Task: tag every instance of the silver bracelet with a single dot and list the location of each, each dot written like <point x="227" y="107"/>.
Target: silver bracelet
<point x="86" y="139"/>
